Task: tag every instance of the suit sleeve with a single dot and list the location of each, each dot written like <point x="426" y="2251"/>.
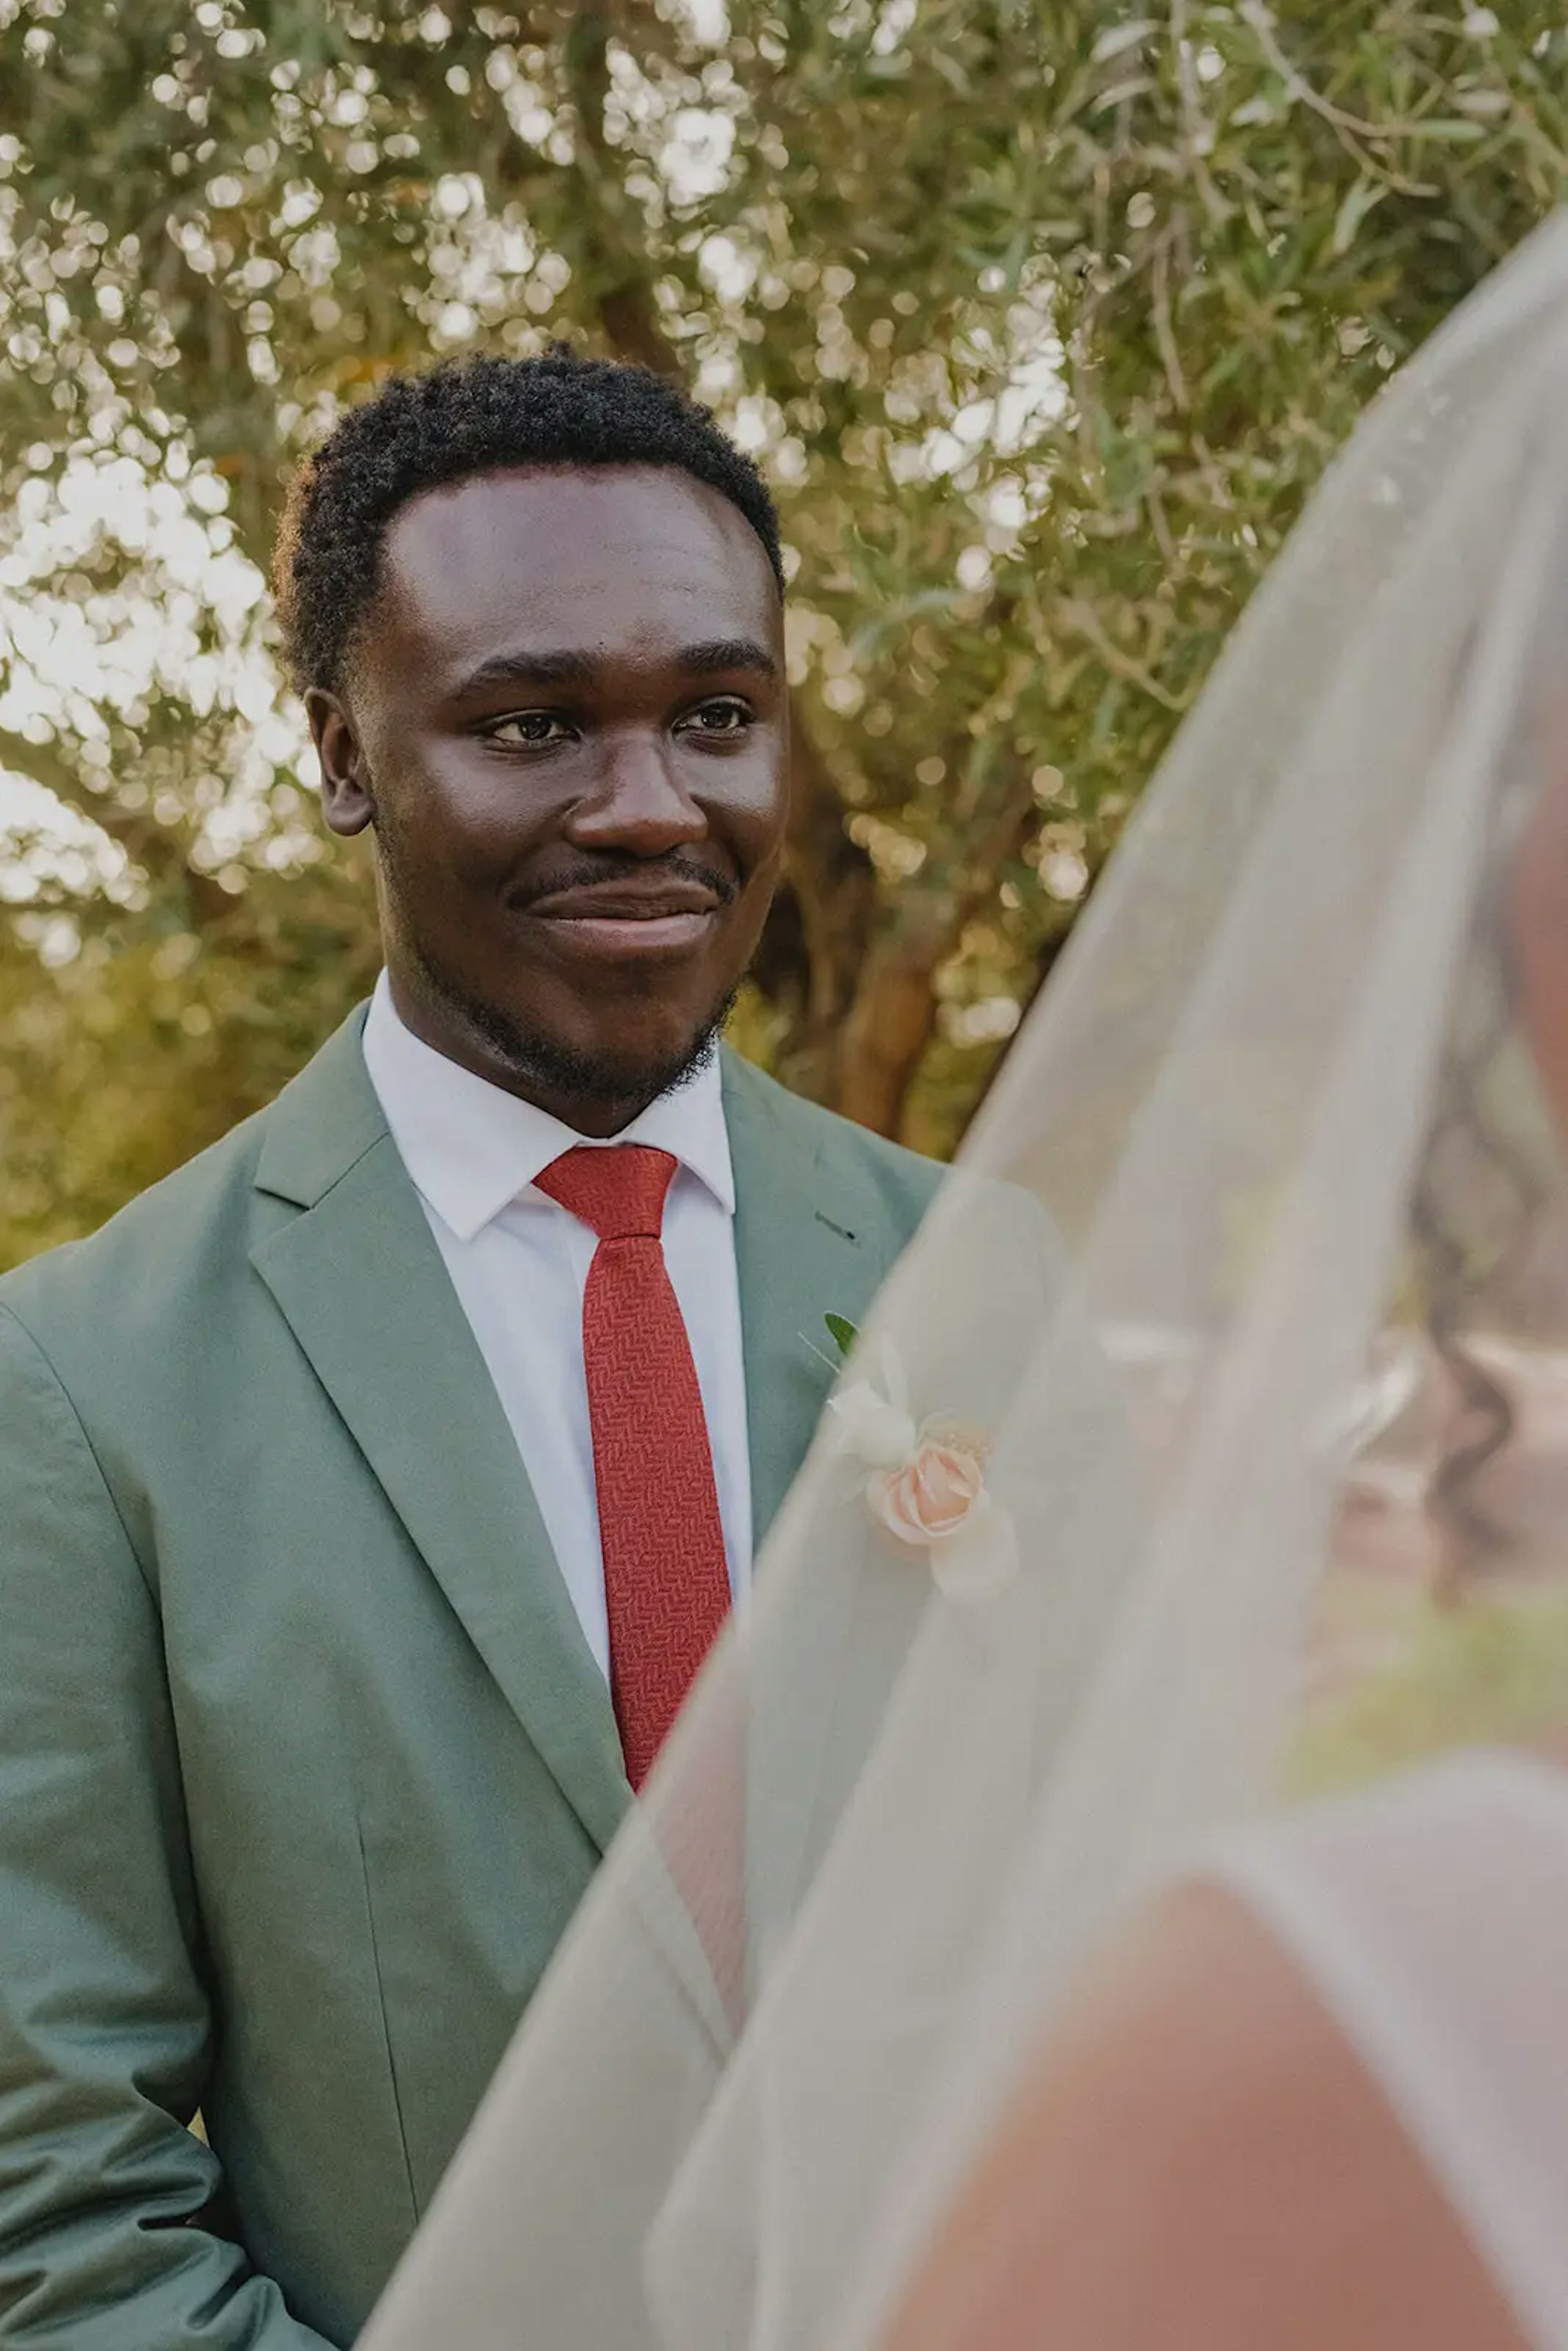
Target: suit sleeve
<point x="104" y="2023"/>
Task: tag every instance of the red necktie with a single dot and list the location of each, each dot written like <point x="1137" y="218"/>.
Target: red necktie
<point x="667" y="1583"/>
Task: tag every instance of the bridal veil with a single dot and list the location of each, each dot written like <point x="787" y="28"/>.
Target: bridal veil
<point x="1119" y="1515"/>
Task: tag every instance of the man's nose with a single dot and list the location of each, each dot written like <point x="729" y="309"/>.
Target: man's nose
<point x="639" y="804"/>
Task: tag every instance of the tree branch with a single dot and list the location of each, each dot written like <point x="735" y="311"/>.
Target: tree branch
<point x="1080" y="616"/>
<point x="155" y="848"/>
<point x="624" y="295"/>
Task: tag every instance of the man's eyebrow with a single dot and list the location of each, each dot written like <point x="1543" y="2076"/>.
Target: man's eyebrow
<point x="565" y="668"/>
<point x="728" y="653"/>
<point x="573" y="668"/>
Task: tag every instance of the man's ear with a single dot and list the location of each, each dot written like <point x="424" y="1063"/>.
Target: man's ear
<point x="346" y="799"/>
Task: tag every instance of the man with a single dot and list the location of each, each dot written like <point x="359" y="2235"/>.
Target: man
<point x="371" y="1489"/>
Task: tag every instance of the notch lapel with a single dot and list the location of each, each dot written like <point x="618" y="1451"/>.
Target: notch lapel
<point x="813" y="1236"/>
<point x="811" y="1239"/>
<point x="359" y="1279"/>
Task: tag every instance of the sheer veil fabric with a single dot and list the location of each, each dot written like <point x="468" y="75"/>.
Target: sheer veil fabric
<point x="904" y="1801"/>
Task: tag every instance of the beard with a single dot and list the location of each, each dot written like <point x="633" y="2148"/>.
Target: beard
<point x="542" y="1065"/>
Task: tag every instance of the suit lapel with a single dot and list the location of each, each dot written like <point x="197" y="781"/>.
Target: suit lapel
<point x="811" y="1239"/>
<point x="360" y="1281"/>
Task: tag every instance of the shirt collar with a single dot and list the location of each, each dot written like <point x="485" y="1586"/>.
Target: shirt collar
<point x="471" y="1147"/>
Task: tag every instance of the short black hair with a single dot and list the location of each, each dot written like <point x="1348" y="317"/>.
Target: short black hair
<point x="463" y="418"/>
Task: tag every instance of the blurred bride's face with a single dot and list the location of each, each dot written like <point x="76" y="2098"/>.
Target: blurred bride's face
<point x="1538" y="930"/>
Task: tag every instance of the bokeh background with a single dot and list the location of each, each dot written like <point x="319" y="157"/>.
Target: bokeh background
<point x="1043" y="319"/>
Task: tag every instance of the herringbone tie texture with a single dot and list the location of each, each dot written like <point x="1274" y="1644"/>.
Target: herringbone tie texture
<point x="667" y="1583"/>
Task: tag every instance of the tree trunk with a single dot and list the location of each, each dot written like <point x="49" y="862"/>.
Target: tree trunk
<point x="818" y="936"/>
<point x="894" y="1014"/>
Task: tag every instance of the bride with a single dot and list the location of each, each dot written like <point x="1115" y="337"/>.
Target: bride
<point x="973" y="1972"/>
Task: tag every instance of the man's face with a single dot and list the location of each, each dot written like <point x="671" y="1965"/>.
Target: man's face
<point x="565" y="718"/>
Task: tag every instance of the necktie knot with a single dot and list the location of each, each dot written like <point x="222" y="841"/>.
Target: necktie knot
<point x="617" y="1191"/>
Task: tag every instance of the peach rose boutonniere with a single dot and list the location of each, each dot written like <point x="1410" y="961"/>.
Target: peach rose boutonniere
<point x="926" y="1486"/>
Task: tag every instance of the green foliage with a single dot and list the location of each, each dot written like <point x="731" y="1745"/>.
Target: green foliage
<point x="1491" y="1671"/>
<point x="841" y="1331"/>
<point x="1044" y="319"/>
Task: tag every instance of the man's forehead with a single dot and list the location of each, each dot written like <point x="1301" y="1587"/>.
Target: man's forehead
<point x="549" y="533"/>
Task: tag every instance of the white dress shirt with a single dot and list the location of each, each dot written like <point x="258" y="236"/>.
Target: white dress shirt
<point x="519" y="1262"/>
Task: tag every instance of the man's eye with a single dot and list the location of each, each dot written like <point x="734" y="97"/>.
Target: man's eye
<point x="727" y="717"/>
<point x="530" y="729"/>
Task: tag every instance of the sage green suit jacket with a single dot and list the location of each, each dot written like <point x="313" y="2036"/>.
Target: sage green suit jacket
<point x="304" y="1762"/>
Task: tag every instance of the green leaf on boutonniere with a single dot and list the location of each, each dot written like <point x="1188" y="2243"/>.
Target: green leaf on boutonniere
<point x="843" y="1333"/>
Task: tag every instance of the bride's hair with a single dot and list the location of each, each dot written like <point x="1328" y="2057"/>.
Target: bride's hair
<point x="1465" y="1261"/>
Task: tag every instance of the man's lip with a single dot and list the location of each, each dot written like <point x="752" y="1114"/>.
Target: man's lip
<point x="601" y="935"/>
<point x="625" y="903"/>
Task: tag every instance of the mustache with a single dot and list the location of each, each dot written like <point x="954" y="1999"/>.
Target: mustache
<point x="594" y="873"/>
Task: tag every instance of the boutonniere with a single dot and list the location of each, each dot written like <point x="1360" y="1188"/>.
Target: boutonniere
<point x="926" y="1486"/>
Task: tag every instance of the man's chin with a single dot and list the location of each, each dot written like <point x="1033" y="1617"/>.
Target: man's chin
<point x="599" y="1077"/>
<point x="608" y="1079"/>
